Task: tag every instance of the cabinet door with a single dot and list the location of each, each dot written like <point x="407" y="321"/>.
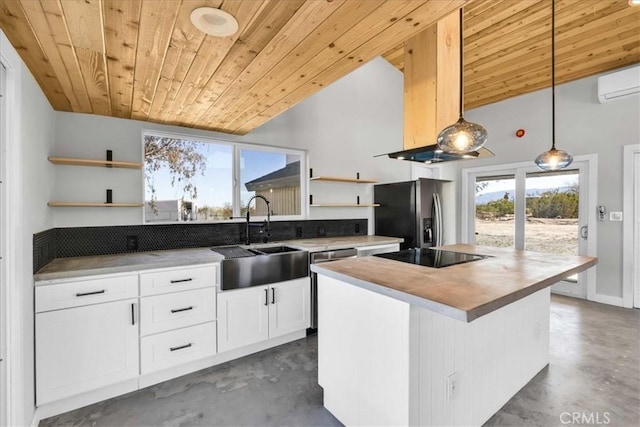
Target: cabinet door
<point x="289" y="306"/>
<point x="242" y="317"/>
<point x="85" y="348"/>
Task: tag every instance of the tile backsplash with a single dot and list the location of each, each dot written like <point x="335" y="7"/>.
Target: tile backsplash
<point x="91" y="241"/>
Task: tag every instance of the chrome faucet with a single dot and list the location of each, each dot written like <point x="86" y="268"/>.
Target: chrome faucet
<point x="266" y="236"/>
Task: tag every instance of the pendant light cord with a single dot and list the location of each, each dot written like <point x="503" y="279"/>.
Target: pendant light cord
<point x="461" y="62"/>
<point x="553" y="74"/>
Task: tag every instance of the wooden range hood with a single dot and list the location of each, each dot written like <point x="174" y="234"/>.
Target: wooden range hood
<point x="431" y="92"/>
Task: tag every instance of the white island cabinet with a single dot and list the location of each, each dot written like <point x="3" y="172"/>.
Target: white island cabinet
<point x="250" y="315"/>
<point x="406" y="344"/>
<point x="84" y="339"/>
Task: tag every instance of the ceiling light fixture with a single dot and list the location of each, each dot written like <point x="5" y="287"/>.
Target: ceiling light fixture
<point x="214" y="22"/>
<point x="553" y="159"/>
<point x="462" y="136"/>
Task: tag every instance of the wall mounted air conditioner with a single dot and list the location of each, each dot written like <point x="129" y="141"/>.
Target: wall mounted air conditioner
<point x="619" y="84"/>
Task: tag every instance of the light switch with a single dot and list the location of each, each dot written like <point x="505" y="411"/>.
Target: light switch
<point x="615" y="216"/>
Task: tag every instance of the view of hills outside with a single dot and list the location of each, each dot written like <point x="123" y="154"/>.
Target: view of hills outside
<point x="551" y="211"/>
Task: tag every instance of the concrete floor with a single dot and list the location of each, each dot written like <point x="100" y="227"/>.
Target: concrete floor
<point x="594" y="372"/>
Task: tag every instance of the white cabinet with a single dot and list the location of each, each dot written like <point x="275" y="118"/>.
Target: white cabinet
<point x="85" y="348"/>
<point x="243" y="317"/>
<point x="247" y="316"/>
<point x="290" y="306"/>
<point x="177" y="317"/>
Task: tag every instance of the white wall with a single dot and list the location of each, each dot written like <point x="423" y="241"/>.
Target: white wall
<point x="583" y="126"/>
<point x="29" y="184"/>
<point x="342" y="127"/>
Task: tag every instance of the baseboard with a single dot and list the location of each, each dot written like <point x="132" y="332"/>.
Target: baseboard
<point x="74" y="402"/>
<point x="36" y="418"/>
<point x="607" y="299"/>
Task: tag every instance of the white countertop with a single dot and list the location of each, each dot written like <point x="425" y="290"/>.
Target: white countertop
<point x="63" y="268"/>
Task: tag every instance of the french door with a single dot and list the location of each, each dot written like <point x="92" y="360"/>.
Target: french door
<point x="521" y="207"/>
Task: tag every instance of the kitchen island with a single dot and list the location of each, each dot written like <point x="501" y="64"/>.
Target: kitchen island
<point x="403" y="344"/>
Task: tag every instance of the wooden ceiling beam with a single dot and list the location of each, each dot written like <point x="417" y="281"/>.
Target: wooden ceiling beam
<point x="431" y="82"/>
<point x="401" y="29"/>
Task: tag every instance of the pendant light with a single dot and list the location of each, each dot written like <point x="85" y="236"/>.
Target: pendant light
<point x="553" y="159"/>
<point x="462" y="136"/>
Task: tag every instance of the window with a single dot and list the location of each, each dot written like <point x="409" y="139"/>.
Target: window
<point x="272" y="175"/>
<point x="188" y="179"/>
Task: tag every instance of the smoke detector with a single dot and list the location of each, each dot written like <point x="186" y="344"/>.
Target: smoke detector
<point x="214" y="22"/>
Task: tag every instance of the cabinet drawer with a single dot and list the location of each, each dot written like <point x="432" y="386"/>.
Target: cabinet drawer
<point x="177" y="279"/>
<point x="174" y="348"/>
<point x="85" y="292"/>
<point x="162" y="313"/>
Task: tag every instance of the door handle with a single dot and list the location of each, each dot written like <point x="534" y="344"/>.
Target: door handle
<point x="273" y="295"/>
<point x="133" y="313"/>
<point x="584" y="232"/>
<point x="266" y="296"/>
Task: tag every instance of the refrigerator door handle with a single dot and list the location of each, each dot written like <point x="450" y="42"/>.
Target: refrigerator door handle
<point x="437" y="218"/>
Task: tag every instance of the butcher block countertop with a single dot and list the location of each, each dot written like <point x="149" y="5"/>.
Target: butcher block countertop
<point x="463" y="291"/>
<point x="64" y="268"/>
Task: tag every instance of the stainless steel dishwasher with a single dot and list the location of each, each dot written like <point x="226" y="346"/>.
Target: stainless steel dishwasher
<point x="317" y="258"/>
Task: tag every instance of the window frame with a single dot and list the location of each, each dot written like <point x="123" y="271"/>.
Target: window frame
<point x="237" y="147"/>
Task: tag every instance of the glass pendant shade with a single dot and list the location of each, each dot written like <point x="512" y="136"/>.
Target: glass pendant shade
<point x="462" y="137"/>
<point x="553" y="159"/>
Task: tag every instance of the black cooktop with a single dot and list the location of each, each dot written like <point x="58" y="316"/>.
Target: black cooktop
<point x="435" y="258"/>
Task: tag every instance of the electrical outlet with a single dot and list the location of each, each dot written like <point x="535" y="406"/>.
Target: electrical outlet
<point x="357" y="228"/>
<point x="132" y="243"/>
<point x="453" y="383"/>
<point x="298" y="232"/>
<point x="322" y="231"/>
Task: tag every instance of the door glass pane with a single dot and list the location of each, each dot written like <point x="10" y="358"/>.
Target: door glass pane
<point x="494" y="219"/>
<point x="274" y="176"/>
<point x="552" y="212"/>
<point x="187" y="180"/>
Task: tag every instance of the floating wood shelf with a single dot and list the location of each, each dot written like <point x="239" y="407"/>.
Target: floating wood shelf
<point x="338" y="179"/>
<point x="94" y="205"/>
<point x="344" y="205"/>
<point x="91" y="162"/>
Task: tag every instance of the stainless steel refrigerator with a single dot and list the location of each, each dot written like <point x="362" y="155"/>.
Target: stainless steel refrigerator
<point x="411" y="210"/>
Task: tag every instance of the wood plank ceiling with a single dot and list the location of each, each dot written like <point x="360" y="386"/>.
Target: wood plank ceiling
<point x="143" y="59"/>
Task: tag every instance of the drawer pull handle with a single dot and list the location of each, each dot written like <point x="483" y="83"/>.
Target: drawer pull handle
<point x="182" y="280"/>
<point x="178" y="310"/>
<point x="84" y="294"/>
<point x="181" y="347"/>
<point x="266" y="296"/>
<point x="273" y="295"/>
